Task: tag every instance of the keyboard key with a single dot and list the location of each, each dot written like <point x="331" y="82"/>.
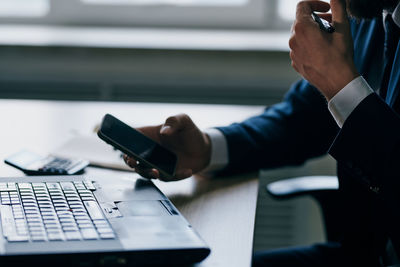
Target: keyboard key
<point x="17" y="238"/>
<point x="55" y="236"/>
<point x="34" y="216"/>
<point x="79" y="212"/>
<point x="70" y="229"/>
<point x="45" y="209"/>
<point x="89" y="185"/>
<point x="71" y="194"/>
<point x="52" y="226"/>
<point x="62" y="209"/>
<point x="49" y="217"/>
<point x="83" y="221"/>
<point x="43" y="198"/>
<point x="107" y="236"/>
<point x="35" y="224"/>
<point x="59" y="201"/>
<point x="100" y="222"/>
<point x="81" y="217"/>
<point x="64" y="214"/>
<point x="53" y="186"/>
<point x="73" y="236"/>
<point x="89" y="234"/>
<point x="84" y="192"/>
<point x="67" y="185"/>
<point x="32" y="211"/>
<point x="23" y="233"/>
<point x="36" y="230"/>
<point x="75" y="206"/>
<point x="18" y="215"/>
<point x="105" y="230"/>
<point x="44" y="213"/>
<point x="24" y="185"/>
<point x="57" y="195"/>
<point x="39" y="238"/>
<point x="67" y="220"/>
<point x="69" y="224"/>
<point x="85" y="226"/>
<point x="88" y="199"/>
<point x="54" y="230"/>
<point x="94" y="210"/>
<point x="60" y="205"/>
<point x="30" y="220"/>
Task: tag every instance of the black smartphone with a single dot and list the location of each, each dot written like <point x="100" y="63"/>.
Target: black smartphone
<point x="149" y="153"/>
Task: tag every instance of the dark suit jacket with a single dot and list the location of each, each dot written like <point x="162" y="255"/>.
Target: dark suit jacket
<point x="367" y="148"/>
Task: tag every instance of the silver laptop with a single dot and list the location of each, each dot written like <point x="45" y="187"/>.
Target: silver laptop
<point x="77" y="220"/>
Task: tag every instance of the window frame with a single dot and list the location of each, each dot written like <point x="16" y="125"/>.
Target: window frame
<point x="256" y="14"/>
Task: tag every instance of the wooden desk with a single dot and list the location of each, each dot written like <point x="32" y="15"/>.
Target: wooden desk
<point x="221" y="210"/>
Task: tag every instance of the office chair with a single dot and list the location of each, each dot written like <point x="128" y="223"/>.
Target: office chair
<point x="324" y="189"/>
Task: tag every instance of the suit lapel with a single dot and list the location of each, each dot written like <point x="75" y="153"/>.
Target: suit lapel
<point x="394" y="83"/>
<point x="369" y="33"/>
<point x="367" y="40"/>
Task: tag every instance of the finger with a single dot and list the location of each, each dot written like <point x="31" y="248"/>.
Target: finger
<point x="175" y="123"/>
<point x="326" y="16"/>
<point x="297" y="55"/>
<point x="178" y="176"/>
<point x="295" y="63"/>
<point x="294" y="66"/>
<point x="183" y="174"/>
<point x="304" y="8"/>
<point x="339" y="12"/>
<point x="126" y="158"/>
<point x="133" y="163"/>
<point x="150" y="131"/>
<point x="292" y="43"/>
<point x="148" y="173"/>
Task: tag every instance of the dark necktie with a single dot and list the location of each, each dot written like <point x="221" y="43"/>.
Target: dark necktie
<point x="392" y="33"/>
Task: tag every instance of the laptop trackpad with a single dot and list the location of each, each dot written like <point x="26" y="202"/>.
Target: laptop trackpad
<point x="142" y="208"/>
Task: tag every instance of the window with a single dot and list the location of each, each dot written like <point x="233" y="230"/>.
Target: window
<point x="170" y="2"/>
<point x="236" y="14"/>
<point x="287" y="9"/>
<point x="24" y="8"/>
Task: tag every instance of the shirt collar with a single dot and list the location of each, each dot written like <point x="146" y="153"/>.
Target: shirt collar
<point x="396" y="15"/>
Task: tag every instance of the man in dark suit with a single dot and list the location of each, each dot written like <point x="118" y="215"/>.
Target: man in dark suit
<point x="357" y="71"/>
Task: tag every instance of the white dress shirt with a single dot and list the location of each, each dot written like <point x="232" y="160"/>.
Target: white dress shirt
<point x="340" y="106"/>
<point x="347" y="99"/>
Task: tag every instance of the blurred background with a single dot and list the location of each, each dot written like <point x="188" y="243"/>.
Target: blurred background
<point x="201" y="51"/>
<point x="173" y="51"/>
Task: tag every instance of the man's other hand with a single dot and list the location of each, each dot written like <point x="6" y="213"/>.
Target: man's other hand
<point x="180" y="135"/>
<point x="324" y="59"/>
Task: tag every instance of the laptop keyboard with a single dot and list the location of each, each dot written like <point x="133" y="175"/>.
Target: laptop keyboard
<point x="56" y="211"/>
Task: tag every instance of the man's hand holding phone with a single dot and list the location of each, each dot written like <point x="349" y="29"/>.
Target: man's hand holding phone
<point x="180" y="135"/>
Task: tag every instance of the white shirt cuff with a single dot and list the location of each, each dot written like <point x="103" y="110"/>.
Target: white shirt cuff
<point x="219" y="150"/>
<point x="347" y="99"/>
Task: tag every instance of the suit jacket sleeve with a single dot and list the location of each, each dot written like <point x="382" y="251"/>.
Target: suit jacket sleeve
<point x="369" y="139"/>
<point x="368" y="146"/>
<point x="287" y="133"/>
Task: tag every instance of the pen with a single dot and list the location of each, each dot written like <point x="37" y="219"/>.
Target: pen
<point x="323" y="24"/>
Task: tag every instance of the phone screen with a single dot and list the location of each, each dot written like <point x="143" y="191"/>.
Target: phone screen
<point x="134" y="143"/>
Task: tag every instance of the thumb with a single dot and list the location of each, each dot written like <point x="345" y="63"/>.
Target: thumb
<point x="175" y="123"/>
<point x="339" y="11"/>
<point x="150" y="131"/>
<point x="182" y="174"/>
